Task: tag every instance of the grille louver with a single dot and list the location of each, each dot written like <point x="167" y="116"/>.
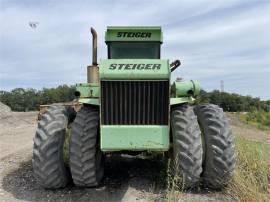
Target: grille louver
<point x="134" y="102"/>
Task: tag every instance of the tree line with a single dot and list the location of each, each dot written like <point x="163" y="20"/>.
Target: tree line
<point x="232" y="102"/>
<point x="20" y="99"/>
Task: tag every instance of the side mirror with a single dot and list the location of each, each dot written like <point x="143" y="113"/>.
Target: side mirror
<point x="174" y="65"/>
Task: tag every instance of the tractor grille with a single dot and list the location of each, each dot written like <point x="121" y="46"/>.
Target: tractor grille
<point x="134" y="102"/>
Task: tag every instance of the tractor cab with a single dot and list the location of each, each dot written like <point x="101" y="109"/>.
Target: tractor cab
<point x="133" y="42"/>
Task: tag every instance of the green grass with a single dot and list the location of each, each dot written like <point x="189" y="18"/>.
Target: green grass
<point x="174" y="184"/>
<point x="258" y="118"/>
<point x="251" y="181"/>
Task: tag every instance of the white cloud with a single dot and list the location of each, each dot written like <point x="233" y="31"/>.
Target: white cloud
<point x="216" y="40"/>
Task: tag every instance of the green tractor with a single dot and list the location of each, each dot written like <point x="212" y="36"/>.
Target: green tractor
<point x="130" y="104"/>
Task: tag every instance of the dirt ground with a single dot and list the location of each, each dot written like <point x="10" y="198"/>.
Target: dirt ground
<point x="127" y="178"/>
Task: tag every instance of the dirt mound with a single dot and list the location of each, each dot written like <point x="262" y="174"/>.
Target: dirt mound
<point x="4" y="109"/>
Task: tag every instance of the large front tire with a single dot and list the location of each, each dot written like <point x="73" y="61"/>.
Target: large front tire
<point x="86" y="158"/>
<point x="219" y="155"/>
<point x="187" y="146"/>
<point x="48" y="163"/>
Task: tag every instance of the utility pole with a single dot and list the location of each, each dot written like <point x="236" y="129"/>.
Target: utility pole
<point x="221" y="86"/>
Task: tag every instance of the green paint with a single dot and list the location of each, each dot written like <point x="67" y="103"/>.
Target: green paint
<point x="181" y="100"/>
<point x="89" y="93"/>
<point x="90" y="101"/>
<point x="133" y="34"/>
<point x="88" y="90"/>
<point x="134" y="137"/>
<point x="134" y="69"/>
<point x="183" y="88"/>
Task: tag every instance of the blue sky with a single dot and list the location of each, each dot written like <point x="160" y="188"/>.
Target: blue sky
<point x="215" y="40"/>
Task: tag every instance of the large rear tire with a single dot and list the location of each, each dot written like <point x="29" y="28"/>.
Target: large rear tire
<point x="187" y="146"/>
<point x="48" y="162"/>
<point x="219" y="155"/>
<point x="86" y="158"/>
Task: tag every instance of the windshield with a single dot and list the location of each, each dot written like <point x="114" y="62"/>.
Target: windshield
<point x="134" y="50"/>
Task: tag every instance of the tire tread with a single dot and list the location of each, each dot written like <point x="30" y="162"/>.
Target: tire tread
<point x="47" y="161"/>
<point x="187" y="145"/>
<point x="219" y="146"/>
<point x="84" y="148"/>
